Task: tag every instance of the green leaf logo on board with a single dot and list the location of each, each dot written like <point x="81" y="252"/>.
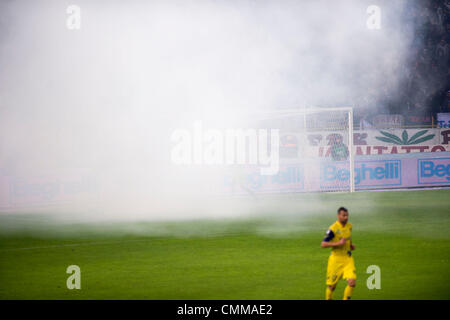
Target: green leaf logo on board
<point x="404" y="139"/>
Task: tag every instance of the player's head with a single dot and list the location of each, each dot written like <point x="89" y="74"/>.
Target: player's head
<point x="342" y="214"/>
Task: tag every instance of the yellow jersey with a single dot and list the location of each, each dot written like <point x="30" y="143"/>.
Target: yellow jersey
<point x="335" y="233"/>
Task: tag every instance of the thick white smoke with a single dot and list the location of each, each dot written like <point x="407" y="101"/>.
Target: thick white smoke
<point x="101" y="102"/>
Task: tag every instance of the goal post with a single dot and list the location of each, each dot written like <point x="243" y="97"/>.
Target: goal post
<point x="350" y="147"/>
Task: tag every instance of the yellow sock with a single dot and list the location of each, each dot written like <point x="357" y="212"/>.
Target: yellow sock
<point x="329" y="294"/>
<point x="348" y="292"/>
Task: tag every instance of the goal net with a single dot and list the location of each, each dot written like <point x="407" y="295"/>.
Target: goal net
<point x="315" y="152"/>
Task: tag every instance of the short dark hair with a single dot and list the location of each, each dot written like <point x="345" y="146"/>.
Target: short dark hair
<point x="342" y="209"/>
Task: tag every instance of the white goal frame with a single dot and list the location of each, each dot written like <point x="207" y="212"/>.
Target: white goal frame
<point x="306" y="111"/>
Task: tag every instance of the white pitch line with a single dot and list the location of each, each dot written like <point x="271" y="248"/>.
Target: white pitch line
<point x="75" y="245"/>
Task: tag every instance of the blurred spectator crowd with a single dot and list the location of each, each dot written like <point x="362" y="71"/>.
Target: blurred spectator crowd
<point x="429" y="74"/>
<point x="425" y="90"/>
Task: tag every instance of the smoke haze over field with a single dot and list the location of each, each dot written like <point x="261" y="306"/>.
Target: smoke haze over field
<point x="101" y="102"/>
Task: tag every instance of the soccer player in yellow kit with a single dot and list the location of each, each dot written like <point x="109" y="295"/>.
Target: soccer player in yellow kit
<point x="340" y="262"/>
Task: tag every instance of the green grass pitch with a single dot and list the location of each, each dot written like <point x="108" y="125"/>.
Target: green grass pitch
<point x="272" y="254"/>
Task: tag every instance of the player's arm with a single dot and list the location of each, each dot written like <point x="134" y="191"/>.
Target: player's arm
<point x="326" y="242"/>
<point x="352" y="246"/>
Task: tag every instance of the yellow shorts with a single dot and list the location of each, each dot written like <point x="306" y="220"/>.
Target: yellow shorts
<point x="340" y="267"/>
